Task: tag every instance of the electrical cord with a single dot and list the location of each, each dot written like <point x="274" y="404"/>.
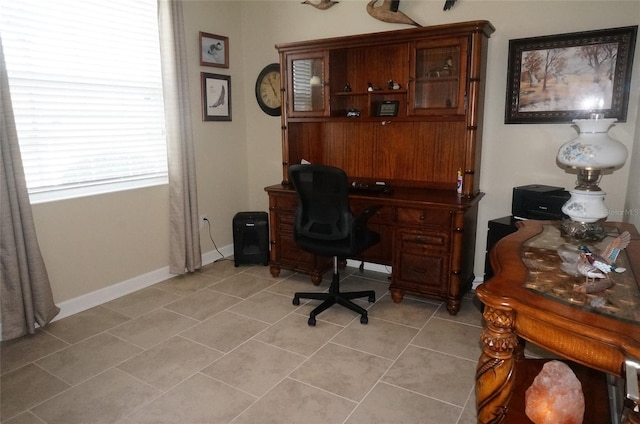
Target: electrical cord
<point x="222" y="258"/>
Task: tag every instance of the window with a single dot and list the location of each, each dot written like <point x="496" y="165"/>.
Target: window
<point x="86" y="89"/>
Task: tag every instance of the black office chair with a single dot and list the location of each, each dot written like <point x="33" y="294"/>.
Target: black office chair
<point x="324" y="225"/>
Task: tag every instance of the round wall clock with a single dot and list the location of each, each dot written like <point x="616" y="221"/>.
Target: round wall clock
<point x="268" y="92"/>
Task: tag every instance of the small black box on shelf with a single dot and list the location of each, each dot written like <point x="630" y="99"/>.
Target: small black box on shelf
<point x="251" y="238"/>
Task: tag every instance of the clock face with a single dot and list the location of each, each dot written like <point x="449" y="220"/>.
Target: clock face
<point x="268" y="92"/>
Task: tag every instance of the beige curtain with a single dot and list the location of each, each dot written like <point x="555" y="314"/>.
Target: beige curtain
<point x="185" y="254"/>
<point x="25" y="292"/>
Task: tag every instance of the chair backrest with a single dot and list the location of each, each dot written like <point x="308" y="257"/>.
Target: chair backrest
<point x="323" y="211"/>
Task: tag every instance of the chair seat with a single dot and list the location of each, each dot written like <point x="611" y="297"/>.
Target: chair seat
<point x="340" y="248"/>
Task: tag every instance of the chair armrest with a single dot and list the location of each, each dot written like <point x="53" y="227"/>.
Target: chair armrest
<point x="359" y="230"/>
<point x="367" y="214"/>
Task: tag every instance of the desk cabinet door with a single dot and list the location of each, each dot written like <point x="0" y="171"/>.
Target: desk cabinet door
<point x="288" y="253"/>
<point x="307" y="86"/>
<point x="421" y="261"/>
<point x="381" y="223"/>
<point x="438" y="73"/>
<point x="285" y="253"/>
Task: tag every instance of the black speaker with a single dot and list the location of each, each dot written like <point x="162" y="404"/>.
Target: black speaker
<point x="251" y="238"/>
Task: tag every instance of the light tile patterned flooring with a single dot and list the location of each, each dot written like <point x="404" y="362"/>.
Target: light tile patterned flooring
<point x="226" y="345"/>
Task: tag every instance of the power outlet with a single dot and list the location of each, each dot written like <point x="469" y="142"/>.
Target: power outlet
<point x="203" y="221"/>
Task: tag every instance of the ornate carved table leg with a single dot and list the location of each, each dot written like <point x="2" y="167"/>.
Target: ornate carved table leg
<point x="495" y="374"/>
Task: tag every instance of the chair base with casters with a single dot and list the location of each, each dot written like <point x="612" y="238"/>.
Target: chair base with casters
<point x="335" y="296"/>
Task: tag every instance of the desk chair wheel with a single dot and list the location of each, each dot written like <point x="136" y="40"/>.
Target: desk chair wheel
<point x="372" y="299"/>
<point x="312" y="321"/>
<point x="364" y="319"/>
<point x="296" y="302"/>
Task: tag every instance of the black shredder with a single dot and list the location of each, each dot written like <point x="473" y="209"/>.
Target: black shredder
<point x="251" y="238"/>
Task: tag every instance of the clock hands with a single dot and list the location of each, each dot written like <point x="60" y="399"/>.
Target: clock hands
<point x="271" y="80"/>
<point x="270" y="93"/>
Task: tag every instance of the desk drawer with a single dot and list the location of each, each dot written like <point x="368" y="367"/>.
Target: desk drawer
<point x="421" y="273"/>
<point x="411" y="216"/>
<point x="289" y="252"/>
<point x="284" y="221"/>
<point x="384" y="215"/>
<point x="420" y="241"/>
<point x="285" y="202"/>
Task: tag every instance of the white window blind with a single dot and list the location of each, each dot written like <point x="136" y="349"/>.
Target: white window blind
<point x="86" y="89"/>
<point x="302" y="95"/>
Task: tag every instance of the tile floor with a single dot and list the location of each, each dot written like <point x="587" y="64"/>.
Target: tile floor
<point x="226" y="345"/>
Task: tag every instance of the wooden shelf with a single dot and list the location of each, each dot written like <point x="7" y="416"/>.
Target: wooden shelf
<point x="428" y="80"/>
<point x="369" y="93"/>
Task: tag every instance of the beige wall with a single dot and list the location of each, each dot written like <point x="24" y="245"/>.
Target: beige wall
<point x="96" y="242"/>
<point x="632" y="203"/>
<point x="92" y="243"/>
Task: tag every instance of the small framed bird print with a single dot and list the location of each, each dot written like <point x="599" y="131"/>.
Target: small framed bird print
<point x="214" y="50"/>
<point x="216" y="97"/>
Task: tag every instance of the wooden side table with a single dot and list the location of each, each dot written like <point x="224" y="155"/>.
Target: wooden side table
<point x="531" y="299"/>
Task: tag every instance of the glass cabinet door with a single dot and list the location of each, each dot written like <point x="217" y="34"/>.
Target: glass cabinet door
<point x="308" y="84"/>
<point x="438" y="72"/>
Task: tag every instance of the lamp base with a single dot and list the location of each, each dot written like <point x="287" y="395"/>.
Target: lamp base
<point x="593" y="231"/>
<point x="586" y="206"/>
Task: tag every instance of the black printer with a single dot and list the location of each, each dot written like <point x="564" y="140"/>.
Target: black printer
<point x="537" y="201"/>
<point x="533" y="201"/>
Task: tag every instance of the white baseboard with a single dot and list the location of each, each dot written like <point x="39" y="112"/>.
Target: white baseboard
<point x="370" y="266"/>
<point x="387" y="270"/>
<point x="98" y="297"/>
<point x="476" y="283"/>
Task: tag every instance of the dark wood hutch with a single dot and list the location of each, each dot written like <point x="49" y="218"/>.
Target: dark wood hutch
<point x="400" y="108"/>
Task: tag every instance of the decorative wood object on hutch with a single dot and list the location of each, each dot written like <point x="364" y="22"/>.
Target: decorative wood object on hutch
<point x="435" y="75"/>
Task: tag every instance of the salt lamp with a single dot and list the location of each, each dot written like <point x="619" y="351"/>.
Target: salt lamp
<point x="555" y="397"/>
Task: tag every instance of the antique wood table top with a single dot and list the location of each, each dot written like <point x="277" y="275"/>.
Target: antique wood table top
<point x="531" y="298"/>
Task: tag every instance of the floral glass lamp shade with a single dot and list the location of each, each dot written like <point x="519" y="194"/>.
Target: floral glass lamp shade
<point x="590" y="153"/>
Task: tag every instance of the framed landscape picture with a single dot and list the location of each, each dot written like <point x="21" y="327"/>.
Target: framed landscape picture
<point x="558" y="78"/>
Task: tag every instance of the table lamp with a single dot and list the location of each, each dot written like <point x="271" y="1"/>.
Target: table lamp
<point x="592" y="152"/>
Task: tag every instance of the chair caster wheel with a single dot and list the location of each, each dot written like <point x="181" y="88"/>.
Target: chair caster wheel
<point x="296" y="301"/>
<point x="372" y="299"/>
<point x="311" y="322"/>
<point x="364" y="319"/>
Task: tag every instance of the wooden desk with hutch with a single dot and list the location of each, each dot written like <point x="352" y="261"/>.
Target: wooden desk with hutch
<point x="433" y="131"/>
